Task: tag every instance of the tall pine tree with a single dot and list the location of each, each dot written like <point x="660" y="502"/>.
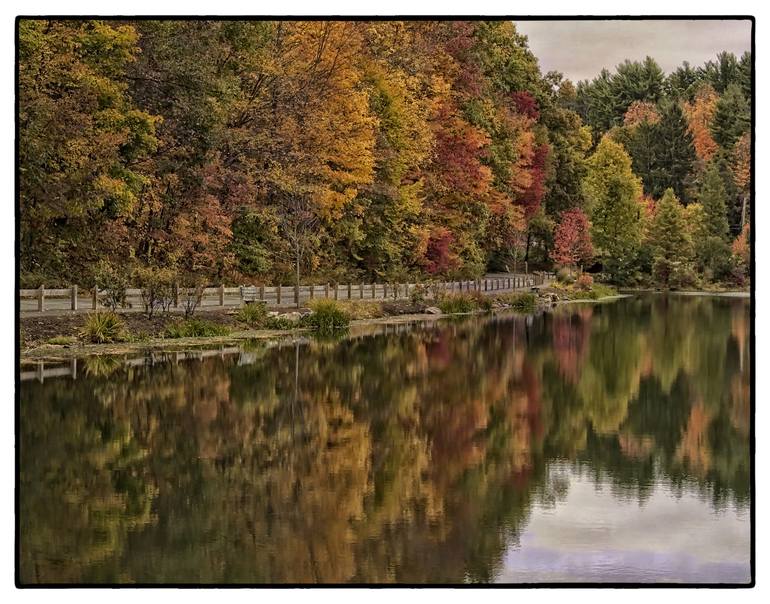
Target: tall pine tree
<point x="673" y="153"/>
<point x="712" y="197"/>
<point x="732" y="117"/>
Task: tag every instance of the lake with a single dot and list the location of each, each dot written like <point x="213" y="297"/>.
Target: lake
<point x="595" y="443"/>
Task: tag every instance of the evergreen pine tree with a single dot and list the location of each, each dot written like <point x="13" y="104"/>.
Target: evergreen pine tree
<point x="712" y="197"/>
<point x="673" y="153"/>
<point x="732" y="117"/>
<point x="669" y="235"/>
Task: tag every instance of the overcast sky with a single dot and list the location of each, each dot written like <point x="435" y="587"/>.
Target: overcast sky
<point x="580" y="49"/>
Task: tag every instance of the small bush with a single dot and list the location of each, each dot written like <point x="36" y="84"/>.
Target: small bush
<point x="112" y="283"/>
<point x="565" y="275"/>
<point x="195" y="328"/>
<point x="327" y="316"/>
<point x="481" y="301"/>
<point x="191" y="295"/>
<point x="157" y="286"/>
<point x="524" y="303"/>
<point x="419" y="294"/>
<point x="104" y="328"/>
<point x="253" y="315"/>
<point x="280" y="323"/>
<point x="457" y="303"/>
<point x="363" y="309"/>
<point x="584" y="282"/>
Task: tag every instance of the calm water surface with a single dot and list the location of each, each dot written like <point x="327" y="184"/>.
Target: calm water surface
<point x="598" y="443"/>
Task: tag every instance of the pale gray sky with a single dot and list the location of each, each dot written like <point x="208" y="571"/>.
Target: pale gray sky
<point x="580" y="49"/>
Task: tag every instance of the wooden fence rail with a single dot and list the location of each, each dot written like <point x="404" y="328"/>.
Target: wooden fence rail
<point x="73" y="299"/>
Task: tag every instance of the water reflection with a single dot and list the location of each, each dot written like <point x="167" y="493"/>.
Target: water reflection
<point x="430" y="455"/>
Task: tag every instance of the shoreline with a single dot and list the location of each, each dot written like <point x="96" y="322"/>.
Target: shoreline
<point x="64" y="352"/>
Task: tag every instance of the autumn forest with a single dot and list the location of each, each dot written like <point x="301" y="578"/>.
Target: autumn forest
<point x="240" y="151"/>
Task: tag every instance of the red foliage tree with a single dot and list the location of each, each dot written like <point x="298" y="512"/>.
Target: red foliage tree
<point x="526" y="104"/>
<point x="572" y="239"/>
<point x="438" y="256"/>
<point x="531" y="199"/>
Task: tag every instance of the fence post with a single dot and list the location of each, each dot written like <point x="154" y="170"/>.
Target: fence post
<point x="312" y="292"/>
<point x="40" y="298"/>
<point x="361" y="290"/>
<point x="95" y="298"/>
<point x="278" y="290"/>
<point x="240" y="291"/>
<point x="326" y="291"/>
<point x="222" y="295"/>
<point x="176" y="295"/>
<point x="350" y="291"/>
<point x="385" y="291"/>
<point x="296" y="294"/>
<point x="262" y="293"/>
<point x="374" y="291"/>
<point x="74" y="297"/>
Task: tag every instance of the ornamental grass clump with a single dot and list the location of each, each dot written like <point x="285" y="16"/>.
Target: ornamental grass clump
<point x="523" y="303"/>
<point x="327" y="316"/>
<point x="104" y="328"/>
<point x="253" y="315"/>
<point x="457" y="304"/>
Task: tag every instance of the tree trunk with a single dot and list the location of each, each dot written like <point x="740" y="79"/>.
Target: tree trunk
<point x="296" y="283"/>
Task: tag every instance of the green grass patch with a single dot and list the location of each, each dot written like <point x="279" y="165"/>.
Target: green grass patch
<point x="195" y="328"/>
<point x="598" y="290"/>
<point x="523" y="303"/>
<point x="104" y="328"/>
<point x="457" y="303"/>
<point x="253" y="315"/>
<point x="327" y="316"/>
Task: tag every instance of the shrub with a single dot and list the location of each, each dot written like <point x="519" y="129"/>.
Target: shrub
<point x="363" y="309"/>
<point x="195" y="328"/>
<point x="157" y="287"/>
<point x="524" y="303"/>
<point x="418" y="294"/>
<point x="565" y="275"/>
<point x="327" y="316"/>
<point x="481" y="301"/>
<point x="112" y="283"/>
<point x="683" y="276"/>
<point x="457" y="303"/>
<point x="104" y="328"/>
<point x="584" y="282"/>
<point x="253" y="315"/>
<point x="191" y="295"/>
<point x="280" y="323"/>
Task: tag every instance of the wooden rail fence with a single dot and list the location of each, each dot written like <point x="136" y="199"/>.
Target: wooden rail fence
<point x="72" y="298"/>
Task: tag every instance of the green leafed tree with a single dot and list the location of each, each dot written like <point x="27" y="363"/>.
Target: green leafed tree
<point x="612" y="193"/>
<point x="81" y="141"/>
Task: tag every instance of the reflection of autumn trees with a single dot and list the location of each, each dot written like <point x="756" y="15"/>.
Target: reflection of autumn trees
<point x="408" y="457"/>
